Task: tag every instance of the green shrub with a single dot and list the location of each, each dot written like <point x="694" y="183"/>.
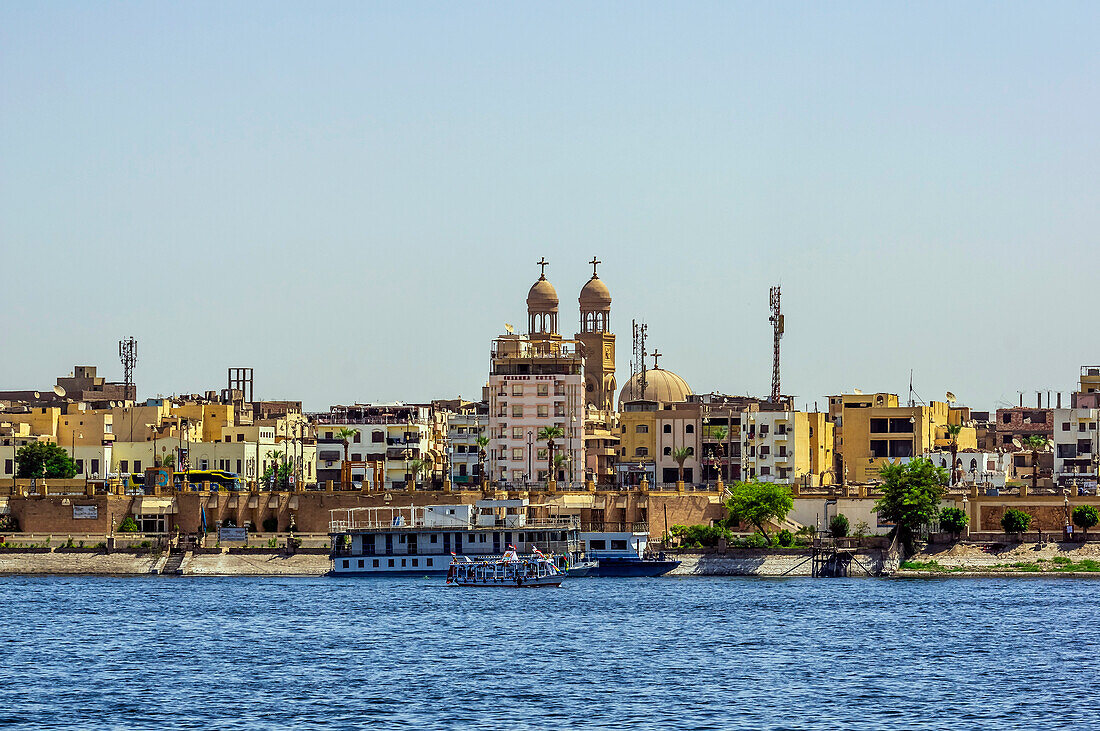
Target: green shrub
<point x="1061" y="560"/>
<point x="144" y="544"/>
<point x="1015" y="521"/>
<point x="1085" y="516"/>
<point x="862" y="529"/>
<point x="785" y="538"/>
<point x="697" y="536"/>
<point x="128" y="525"/>
<point x="271" y="524"/>
<point x="271" y="543"/>
<point x="954" y="520"/>
<point x="838" y="526"/>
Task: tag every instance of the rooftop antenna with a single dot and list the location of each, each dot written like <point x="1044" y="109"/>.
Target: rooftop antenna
<point x="638" y="366"/>
<point x="127" y="353"/>
<point x="776" y="320"/>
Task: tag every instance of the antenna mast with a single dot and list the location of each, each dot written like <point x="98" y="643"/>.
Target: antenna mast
<point x="637" y="365"/>
<point x="127" y="353"/>
<point x="776" y="320"/>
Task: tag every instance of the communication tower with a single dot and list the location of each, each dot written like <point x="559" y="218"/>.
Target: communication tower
<point x="127" y="353"/>
<point x="776" y="320"/>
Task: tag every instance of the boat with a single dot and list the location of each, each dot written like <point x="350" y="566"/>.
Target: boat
<point x="623" y="554"/>
<point x="421" y="540"/>
<point x="510" y="570"/>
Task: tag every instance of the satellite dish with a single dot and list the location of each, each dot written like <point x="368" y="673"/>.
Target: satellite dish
<point x="511" y="330"/>
<point x="59" y="390"/>
<point x="1017" y="443"/>
<point x="857" y="392"/>
<point x="951" y="398"/>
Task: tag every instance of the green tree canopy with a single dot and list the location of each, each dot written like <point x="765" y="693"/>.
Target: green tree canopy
<point x="44" y="459"/>
<point x="1015" y="521"/>
<point x="756" y="503"/>
<point x="1085" y="516"/>
<point x="954" y="520"/>
<point x="911" y="494"/>
<point x="839" y="526"/>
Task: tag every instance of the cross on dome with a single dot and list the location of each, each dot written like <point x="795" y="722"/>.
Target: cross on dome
<point x="594" y="262"/>
<point x="542" y="263"/>
<point x="656" y="354"/>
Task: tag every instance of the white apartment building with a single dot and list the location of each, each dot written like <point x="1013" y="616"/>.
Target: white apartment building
<point x="395" y="434"/>
<point x="1076" y="447"/>
<point x="534" y="384"/>
<point x="462" y="448"/>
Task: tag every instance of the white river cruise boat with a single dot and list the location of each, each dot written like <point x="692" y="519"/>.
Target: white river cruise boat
<point x="419" y="540"/>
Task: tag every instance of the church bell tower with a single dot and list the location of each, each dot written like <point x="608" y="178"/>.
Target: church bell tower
<point x="598" y="341"/>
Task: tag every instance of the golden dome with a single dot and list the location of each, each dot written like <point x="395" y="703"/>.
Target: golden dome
<point x="661" y="385"/>
<point x="595" y="295"/>
<point x="542" y="297"/>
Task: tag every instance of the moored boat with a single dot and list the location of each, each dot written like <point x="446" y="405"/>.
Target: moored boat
<point x="510" y="570"/>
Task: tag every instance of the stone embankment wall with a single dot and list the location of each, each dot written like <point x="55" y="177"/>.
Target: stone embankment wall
<point x="67" y="563"/>
<point x="766" y="563"/>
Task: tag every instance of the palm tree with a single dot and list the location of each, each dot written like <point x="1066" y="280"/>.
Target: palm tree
<point x="345" y="435"/>
<point x="549" y="434"/>
<point x="421" y="467"/>
<point x="681" y="455"/>
<point x="719" y="434"/>
<point x="1035" y="442"/>
<point x="559" y="462"/>
<point x="482" y="442"/>
<point x="953" y="431"/>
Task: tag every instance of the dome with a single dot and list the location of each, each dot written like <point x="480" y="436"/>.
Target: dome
<point x="542" y="297"/>
<point x="661" y="385"/>
<point x="595" y="295"/>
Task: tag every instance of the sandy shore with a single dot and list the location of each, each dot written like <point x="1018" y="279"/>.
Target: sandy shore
<point x="1015" y="560"/>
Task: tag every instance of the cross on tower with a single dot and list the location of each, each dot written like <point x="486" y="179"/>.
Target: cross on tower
<point x="656" y="354"/>
<point x="594" y="262"/>
<point x="542" y="263"/>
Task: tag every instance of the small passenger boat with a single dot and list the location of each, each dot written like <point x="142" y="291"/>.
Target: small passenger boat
<point x="509" y="570"/>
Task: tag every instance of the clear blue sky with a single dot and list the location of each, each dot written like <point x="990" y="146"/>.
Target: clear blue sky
<point x="350" y="197"/>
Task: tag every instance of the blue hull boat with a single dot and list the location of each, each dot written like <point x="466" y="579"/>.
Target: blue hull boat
<point x="621" y="566"/>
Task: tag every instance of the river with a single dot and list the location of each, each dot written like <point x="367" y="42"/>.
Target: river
<point x="691" y="653"/>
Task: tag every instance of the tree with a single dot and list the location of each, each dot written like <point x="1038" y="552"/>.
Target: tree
<point x="681" y="455"/>
<point x="1085" y="517"/>
<point x="128" y="525"/>
<point x="423" y="468"/>
<point x="756" y="503"/>
<point x="838" y="526"/>
<point x="345" y="435"/>
<point x="44" y="459"/>
<point x="1015" y="521"/>
<point x="911" y="494"/>
<point x="169" y="461"/>
<point x="953" y="431"/>
<point x="719" y="434"/>
<point x="559" y="462"/>
<point x="1035" y="442"/>
<point x="549" y="434"/>
<point x="954" y="520"/>
<point x="482" y="442"/>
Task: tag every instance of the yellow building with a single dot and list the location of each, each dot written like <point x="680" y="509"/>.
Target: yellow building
<point x="873" y="430"/>
<point x="637" y="442"/>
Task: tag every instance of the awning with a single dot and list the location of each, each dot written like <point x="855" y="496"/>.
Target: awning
<point x="579" y="501"/>
<point x="156" y="506"/>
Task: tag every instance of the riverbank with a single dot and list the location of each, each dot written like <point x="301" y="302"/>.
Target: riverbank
<point x="966" y="560"/>
<point x="99" y="563"/>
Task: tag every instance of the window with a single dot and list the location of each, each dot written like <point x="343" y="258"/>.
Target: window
<point x="429" y="562"/>
<point x="517" y="389"/>
<point x="690" y="428"/>
<point x="80" y="467"/>
<point x="357" y="456"/>
<point x="377" y="437"/>
<point x="668" y="429"/>
<point x="123" y="465"/>
<point x="7" y="466"/>
<point x="765" y="471"/>
<point x="542" y="453"/>
<point x="543" y="410"/>
<point x="880" y="426"/>
<point x="668" y="451"/>
<point x="543" y="389"/>
<point x="391" y="563"/>
<point x="641" y="452"/>
<point x="347" y="564"/>
<point x="618" y="545"/>
<point x="357" y="438"/>
<point x="517" y="432"/>
<point x="360" y="563"/>
<point x="374" y="563"/>
<point x="517" y="452"/>
<point x="597" y="545"/>
<point x="641" y="429"/>
<point x="517" y="411"/>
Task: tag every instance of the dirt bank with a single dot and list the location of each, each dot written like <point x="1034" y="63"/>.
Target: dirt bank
<point x="1011" y="559"/>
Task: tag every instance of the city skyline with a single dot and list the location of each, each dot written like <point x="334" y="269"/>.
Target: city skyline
<point x="350" y="199"/>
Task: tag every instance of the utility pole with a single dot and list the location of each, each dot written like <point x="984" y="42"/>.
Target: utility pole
<point x="776" y="320"/>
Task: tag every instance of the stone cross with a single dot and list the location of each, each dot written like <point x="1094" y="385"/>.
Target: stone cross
<point x="542" y="263"/>
<point x="594" y="262"/>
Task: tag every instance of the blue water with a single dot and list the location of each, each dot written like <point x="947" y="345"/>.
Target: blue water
<point x="698" y="653"/>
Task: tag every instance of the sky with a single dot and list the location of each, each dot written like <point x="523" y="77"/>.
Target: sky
<point x="351" y="197"/>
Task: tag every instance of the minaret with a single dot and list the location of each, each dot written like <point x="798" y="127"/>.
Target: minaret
<point x="599" y="342"/>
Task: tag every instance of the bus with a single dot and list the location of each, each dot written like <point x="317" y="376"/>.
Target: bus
<point x="218" y="479"/>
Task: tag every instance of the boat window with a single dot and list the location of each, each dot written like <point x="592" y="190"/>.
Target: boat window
<point x="597" y="545"/>
<point x="429" y="562"/>
<point x="434" y="538"/>
<point x="360" y="563"/>
<point x="403" y="563"/>
<point x="620" y="545"/>
<point x="415" y="562"/>
<point x="347" y="564"/>
<point x="375" y="563"/>
<point x="391" y="563"/>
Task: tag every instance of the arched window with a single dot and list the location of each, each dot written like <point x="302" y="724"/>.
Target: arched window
<point x="641" y="452"/>
<point x="668" y="451"/>
<point x="690" y="428"/>
<point x="973" y="465"/>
